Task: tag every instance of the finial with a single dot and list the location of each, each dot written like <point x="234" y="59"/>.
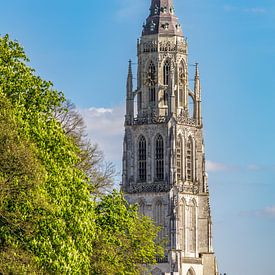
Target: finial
<point x="130" y="67"/>
<point x="197" y="71"/>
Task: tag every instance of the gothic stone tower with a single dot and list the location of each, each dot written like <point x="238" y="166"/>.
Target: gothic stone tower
<point x="163" y="159"/>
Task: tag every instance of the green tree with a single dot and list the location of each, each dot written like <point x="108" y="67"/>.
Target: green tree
<point x="99" y="172"/>
<point x="52" y="219"/>
<point x="125" y="239"/>
<point x="61" y="236"/>
<point x="21" y="194"/>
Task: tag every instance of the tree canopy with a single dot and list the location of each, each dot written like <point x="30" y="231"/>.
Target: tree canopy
<point x="52" y="219"/>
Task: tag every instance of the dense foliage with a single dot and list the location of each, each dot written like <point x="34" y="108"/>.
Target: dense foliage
<point x="125" y="239"/>
<point x="52" y="219"/>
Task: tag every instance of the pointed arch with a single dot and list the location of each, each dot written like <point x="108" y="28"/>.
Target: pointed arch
<point x="191" y="226"/>
<point x="182" y="78"/>
<point x="152" y="82"/>
<point x="179" y="149"/>
<point x="142" y="155"/>
<point x="166" y="71"/>
<point x="159" y="157"/>
<point x="190" y="159"/>
<point x="159" y="217"/>
<point x="182" y="72"/>
<point x="151" y="73"/>
<point x="191" y="271"/>
<point x="142" y="207"/>
<point x="181" y="214"/>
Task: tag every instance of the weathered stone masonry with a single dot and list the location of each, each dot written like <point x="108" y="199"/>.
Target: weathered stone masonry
<point x="163" y="155"/>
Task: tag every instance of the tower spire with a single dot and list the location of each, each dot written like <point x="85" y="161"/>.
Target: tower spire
<point x="162" y="19"/>
<point x="129" y="96"/>
<point x="197" y="91"/>
<point x="129" y="79"/>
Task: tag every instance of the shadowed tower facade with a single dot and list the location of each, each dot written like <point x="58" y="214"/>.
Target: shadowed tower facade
<point x="163" y="155"/>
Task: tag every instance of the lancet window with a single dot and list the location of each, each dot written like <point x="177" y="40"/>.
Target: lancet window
<point x="181" y="83"/>
<point x="152" y="82"/>
<point x="142" y="159"/>
<point x="181" y="75"/>
<point x="179" y="158"/>
<point x="159" y="158"/>
<point x="166" y="72"/>
<point x="142" y="207"/>
<point x="181" y="213"/>
<point x="181" y="96"/>
<point x="158" y="217"/>
<point x="189" y="160"/>
<point x="191" y="227"/>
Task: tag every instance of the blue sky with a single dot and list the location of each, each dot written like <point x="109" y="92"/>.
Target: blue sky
<point x="83" y="47"/>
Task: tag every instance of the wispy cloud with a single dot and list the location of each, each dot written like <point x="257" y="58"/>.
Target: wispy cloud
<point x="254" y="10"/>
<point x="254" y="167"/>
<point x="105" y="127"/>
<point x="212" y="166"/>
<point x="267" y="212"/>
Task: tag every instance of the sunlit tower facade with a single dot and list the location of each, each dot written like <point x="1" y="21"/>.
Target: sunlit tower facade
<point x="163" y="153"/>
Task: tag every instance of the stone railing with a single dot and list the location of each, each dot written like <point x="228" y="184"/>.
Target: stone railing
<point x="146" y="187"/>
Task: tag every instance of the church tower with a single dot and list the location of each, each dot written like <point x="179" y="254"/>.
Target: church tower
<point x="163" y="152"/>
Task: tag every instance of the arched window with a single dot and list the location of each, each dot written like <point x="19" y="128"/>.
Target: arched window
<point x="142" y="207"/>
<point x="189" y="160"/>
<point x="191" y="271"/>
<point x="191" y="227"/>
<point x="182" y="224"/>
<point x="152" y="94"/>
<point x="166" y="72"/>
<point x="159" y="218"/>
<point x="142" y="159"/>
<point x="152" y="74"/>
<point x="181" y="83"/>
<point x="159" y="158"/>
<point x="152" y="82"/>
<point x="179" y="158"/>
<point x="181" y="74"/>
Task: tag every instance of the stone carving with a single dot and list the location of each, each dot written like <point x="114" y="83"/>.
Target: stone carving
<point x="157" y="187"/>
<point x="193" y="189"/>
<point x="183" y="118"/>
<point x="167" y="46"/>
<point x="151" y="119"/>
<point x="150" y="46"/>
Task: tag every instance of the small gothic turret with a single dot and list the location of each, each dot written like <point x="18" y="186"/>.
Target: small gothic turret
<point x="197" y="91"/>
<point x="130" y="96"/>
